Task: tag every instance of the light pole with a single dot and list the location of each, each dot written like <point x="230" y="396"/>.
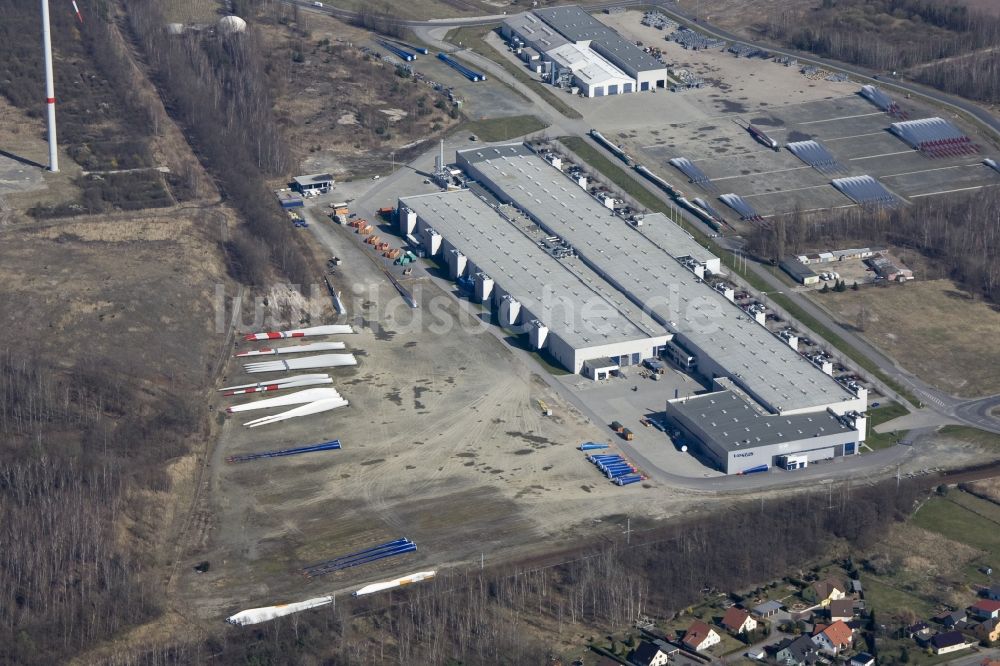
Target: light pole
<point x="392" y="156"/>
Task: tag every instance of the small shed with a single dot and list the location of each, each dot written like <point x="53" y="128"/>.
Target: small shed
<point x="599" y="368"/>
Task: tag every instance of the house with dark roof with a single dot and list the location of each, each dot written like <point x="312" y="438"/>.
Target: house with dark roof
<point x="862" y="659"/>
<point x="841" y="609"/>
<point x="988" y="631"/>
<point x="767" y="609"/>
<point x="993" y="593"/>
<point x="651" y="653"/>
<point x="738" y="621"/>
<point x="822" y="592"/>
<point x="700" y="636"/>
<point x="949" y="641"/>
<point x="919" y="630"/>
<point x="952" y="618"/>
<point x="795" y="651"/>
<point x="834" y="638"/>
<point x="985" y="609"/>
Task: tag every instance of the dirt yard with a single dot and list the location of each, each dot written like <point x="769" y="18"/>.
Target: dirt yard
<point x="443" y="442"/>
<point x="135" y="292"/>
<point x="934" y="329"/>
<point x="343" y="111"/>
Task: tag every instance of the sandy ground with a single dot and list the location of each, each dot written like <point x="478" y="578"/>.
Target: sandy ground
<point x="100" y="288"/>
<point x="24" y="154"/>
<point x="444" y="443"/>
<point x="911" y="322"/>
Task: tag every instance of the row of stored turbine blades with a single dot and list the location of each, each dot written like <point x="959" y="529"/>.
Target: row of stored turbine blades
<point x="307" y="401"/>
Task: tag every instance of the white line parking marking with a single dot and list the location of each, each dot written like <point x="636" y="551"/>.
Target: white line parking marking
<point x="945" y="168"/>
<point x="760" y="173"/>
<point x="871" y="157"/>
<point x="830" y="120"/>
<point x="797" y="189"/>
<point x="960" y="189"/>
<point x="856" y="136"/>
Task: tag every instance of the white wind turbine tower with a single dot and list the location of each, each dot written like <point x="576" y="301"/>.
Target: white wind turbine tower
<point x="50" y="93"/>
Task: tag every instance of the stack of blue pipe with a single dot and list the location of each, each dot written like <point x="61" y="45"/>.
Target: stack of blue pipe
<point x="332" y="445"/>
<point x="615" y="467"/>
<point x="592" y="446"/>
<point x="367" y="556"/>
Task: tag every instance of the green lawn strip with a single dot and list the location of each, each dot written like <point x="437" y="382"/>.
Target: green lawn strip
<point x="974" y="435"/>
<point x="629" y="185"/>
<point x="503" y="129"/>
<point x="886" y="599"/>
<point x="951" y="519"/>
<point x="473" y="38"/>
<point x="878" y="416"/>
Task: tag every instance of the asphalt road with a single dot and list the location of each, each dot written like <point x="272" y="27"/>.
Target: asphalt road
<point x="975" y="413"/>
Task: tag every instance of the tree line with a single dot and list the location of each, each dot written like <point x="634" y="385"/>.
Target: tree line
<point x="960" y="235"/>
<point x="885" y="34"/>
<point x="80" y="448"/>
<point x="218" y="87"/>
<point x="512" y="614"/>
<point x="976" y="76"/>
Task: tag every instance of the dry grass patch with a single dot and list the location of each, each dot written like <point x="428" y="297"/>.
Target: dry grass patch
<point x="933" y="328"/>
<point x="192" y="11"/>
<point x="988" y="488"/>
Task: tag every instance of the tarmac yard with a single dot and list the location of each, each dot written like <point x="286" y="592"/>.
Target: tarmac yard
<point x="850" y="128"/>
<point x="708" y="126"/>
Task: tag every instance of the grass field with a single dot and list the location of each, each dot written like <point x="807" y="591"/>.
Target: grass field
<point x="473" y="39"/>
<point x="615" y="174"/>
<point x="967" y="519"/>
<point x="911" y="322"/>
<point x="191" y="11"/>
<point x="884" y="598"/>
<point x="879" y="415"/>
<point x="503" y="129"/>
<point x="974" y="435"/>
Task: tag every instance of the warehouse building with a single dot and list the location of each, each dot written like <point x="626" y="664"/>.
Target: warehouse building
<point x="736" y="435"/>
<point x="314" y="183"/>
<point x="527" y="285"/>
<point x="600" y="61"/>
<point x="799" y="271"/>
<point x="721" y="338"/>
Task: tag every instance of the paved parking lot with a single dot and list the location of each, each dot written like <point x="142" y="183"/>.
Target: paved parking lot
<point x="776" y="182"/>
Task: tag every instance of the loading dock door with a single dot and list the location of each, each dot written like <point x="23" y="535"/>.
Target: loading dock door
<point x="599" y="91"/>
<point x="613" y="89"/>
<point x="628" y="88"/>
<point x="644" y="85"/>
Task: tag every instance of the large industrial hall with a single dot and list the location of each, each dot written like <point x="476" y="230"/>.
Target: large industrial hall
<point x="571" y="42"/>
<point x="527" y="285"/>
<point x="657" y="269"/>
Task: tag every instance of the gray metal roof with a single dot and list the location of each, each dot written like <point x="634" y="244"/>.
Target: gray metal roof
<point x="576" y="25"/>
<point x="542" y="284"/>
<point x="772" y="371"/>
<point x="672" y="239"/>
<point x="534" y="31"/>
<point x="733" y="423"/>
<point x="313" y="178"/>
<point x="796" y="268"/>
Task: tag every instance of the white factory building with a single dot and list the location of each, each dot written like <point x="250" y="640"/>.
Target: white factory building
<point x="660" y="269"/>
<point x="528" y="288"/>
<point x="736" y="435"/>
<point x="599" y="60"/>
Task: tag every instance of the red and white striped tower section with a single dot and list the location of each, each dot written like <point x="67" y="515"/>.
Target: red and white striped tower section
<point x="50" y="88"/>
<point x="332" y="329"/>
